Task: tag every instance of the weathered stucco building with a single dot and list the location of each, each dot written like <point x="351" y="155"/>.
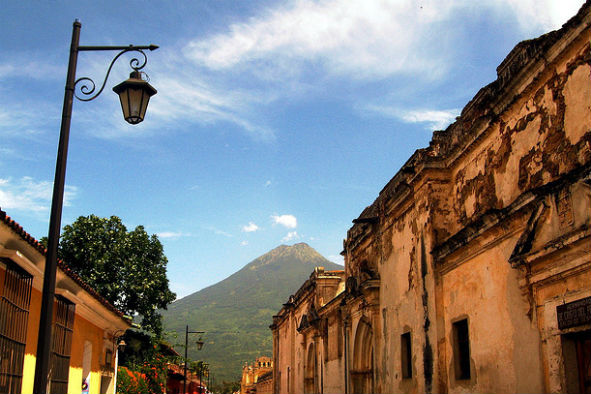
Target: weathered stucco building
<point x="471" y="271"/>
<point x="255" y="377"/>
<point x="301" y="354"/>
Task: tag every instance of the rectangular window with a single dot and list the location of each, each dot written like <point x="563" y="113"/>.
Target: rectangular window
<point x="14" y="317"/>
<point x="461" y="349"/>
<point x="406" y="354"/>
<point x="63" y="319"/>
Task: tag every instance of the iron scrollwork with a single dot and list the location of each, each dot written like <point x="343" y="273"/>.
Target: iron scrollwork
<point x="88" y="86"/>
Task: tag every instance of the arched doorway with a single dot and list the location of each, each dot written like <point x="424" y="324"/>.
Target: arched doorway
<point x="362" y="365"/>
<point x="310" y="377"/>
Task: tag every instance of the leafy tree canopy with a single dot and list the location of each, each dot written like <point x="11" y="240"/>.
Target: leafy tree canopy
<point x="128" y="268"/>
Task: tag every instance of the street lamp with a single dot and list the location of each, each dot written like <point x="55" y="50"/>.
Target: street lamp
<point x="119" y="345"/>
<point x="135" y="93"/>
<point x="199" y="347"/>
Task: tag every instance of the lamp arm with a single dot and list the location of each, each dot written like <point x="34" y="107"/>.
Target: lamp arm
<point x="88" y="86"/>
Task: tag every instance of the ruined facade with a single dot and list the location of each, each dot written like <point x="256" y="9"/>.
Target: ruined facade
<point x="255" y="377"/>
<point x="471" y="271"/>
<point x="304" y="360"/>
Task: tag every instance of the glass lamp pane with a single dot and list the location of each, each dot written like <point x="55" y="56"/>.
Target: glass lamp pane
<point x="135" y="105"/>
<point x="123" y="97"/>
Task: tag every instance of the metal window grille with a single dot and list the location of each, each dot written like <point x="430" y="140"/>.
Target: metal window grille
<point x="61" y="345"/>
<point x="14" y="316"/>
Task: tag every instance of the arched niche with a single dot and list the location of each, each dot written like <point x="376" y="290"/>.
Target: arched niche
<point x="310" y="371"/>
<point x="362" y="362"/>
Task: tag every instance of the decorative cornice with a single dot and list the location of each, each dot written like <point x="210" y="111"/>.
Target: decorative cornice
<point x="493" y="217"/>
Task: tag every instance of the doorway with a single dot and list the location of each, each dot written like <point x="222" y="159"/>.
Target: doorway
<point x="576" y="351"/>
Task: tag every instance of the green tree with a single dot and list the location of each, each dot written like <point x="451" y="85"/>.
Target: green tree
<point x="127" y="268"/>
<point x="226" y="387"/>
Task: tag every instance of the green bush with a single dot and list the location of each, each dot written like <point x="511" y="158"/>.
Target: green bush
<point x="147" y="378"/>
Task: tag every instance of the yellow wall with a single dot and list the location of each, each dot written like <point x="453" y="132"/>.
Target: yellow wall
<point x="31" y="347"/>
<point x="86" y="331"/>
<point x="83" y="331"/>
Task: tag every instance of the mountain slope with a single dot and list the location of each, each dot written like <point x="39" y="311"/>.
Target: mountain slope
<point x="236" y="312"/>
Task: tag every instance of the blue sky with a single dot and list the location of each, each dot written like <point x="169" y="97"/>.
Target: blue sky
<point x="274" y="122"/>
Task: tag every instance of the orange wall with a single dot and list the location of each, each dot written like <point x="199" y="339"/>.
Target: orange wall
<point x="83" y="331"/>
<point x="31" y="347"/>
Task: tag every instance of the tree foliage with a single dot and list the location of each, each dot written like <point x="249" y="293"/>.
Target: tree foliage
<point x="226" y="387"/>
<point x="128" y="268"/>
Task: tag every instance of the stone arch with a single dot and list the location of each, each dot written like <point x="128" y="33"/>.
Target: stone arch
<point x="362" y="365"/>
<point x="310" y="371"/>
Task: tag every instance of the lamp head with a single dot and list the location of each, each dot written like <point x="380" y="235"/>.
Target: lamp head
<point x="121" y="345"/>
<point x="134" y="94"/>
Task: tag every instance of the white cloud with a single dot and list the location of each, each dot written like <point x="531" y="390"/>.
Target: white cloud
<point x="288" y="221"/>
<point x="218" y="231"/>
<point x="542" y="14"/>
<point x="243" y="243"/>
<point x="19" y="120"/>
<point x="337" y="258"/>
<point x="29" y="195"/>
<point x="354" y="39"/>
<point x="268" y="183"/>
<point x="361" y="38"/>
<point x="250" y="227"/>
<point x="172" y="234"/>
<point x="211" y="82"/>
<point x="434" y="119"/>
<point x="30" y="69"/>
<point x="224" y="233"/>
<point x="184" y="98"/>
<point x="358" y="37"/>
<point x="290" y="236"/>
<point x="187" y="94"/>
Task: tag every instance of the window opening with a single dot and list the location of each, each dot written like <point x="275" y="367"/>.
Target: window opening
<point x="406" y="354"/>
<point x="461" y="349"/>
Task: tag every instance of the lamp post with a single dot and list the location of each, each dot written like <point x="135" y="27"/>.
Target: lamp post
<point x="118" y="344"/>
<point x="134" y="94"/>
<point x="199" y="346"/>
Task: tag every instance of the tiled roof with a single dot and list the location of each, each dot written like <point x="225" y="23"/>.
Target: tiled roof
<point x="18" y="229"/>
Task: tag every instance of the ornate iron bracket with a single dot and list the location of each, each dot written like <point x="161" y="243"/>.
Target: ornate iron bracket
<point x="88" y="86"/>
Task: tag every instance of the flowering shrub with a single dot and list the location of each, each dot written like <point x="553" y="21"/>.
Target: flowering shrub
<point x="147" y="378"/>
<point x="156" y="371"/>
<point x="131" y="382"/>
